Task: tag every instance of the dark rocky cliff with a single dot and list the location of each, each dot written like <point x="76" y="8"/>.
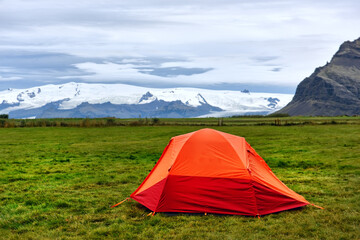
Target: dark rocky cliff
<point x="333" y="89"/>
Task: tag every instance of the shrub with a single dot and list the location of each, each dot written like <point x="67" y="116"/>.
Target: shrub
<point x="110" y="121"/>
<point x="134" y="123"/>
<point x="22" y="123"/>
<point x="155" y="120"/>
<point x="279" y="115"/>
<point x="86" y="123"/>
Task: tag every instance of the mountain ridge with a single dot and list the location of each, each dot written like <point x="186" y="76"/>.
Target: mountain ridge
<point x="127" y="101"/>
<point x="333" y="89"/>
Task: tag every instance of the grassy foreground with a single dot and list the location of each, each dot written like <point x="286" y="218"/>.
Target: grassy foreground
<point x="59" y="182"/>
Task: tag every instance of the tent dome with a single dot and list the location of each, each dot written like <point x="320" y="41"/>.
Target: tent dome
<point x="209" y="171"/>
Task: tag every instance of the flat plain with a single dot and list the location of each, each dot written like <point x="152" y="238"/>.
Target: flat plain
<point x="59" y="183"/>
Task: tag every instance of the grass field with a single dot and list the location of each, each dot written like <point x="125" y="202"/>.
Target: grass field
<point x="58" y="182"/>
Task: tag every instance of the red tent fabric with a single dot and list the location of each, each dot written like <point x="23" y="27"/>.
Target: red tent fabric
<point x="209" y="171"/>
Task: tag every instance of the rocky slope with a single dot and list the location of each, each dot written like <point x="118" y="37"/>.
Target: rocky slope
<point x="333" y="89"/>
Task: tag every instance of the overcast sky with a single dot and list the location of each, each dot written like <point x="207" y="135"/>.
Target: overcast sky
<point x="225" y="44"/>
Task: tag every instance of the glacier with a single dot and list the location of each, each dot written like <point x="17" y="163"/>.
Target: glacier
<point x="128" y="101"/>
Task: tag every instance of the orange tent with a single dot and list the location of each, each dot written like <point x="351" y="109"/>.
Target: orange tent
<point x="209" y="171"/>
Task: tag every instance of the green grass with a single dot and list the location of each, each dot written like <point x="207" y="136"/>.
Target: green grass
<point x="58" y="183"/>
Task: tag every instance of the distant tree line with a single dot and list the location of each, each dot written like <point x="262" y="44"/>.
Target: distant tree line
<point x="262" y="116"/>
<point x="76" y="122"/>
<point x="279" y="120"/>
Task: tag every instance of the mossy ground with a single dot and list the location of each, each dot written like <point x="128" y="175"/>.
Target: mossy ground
<point x="58" y="183"/>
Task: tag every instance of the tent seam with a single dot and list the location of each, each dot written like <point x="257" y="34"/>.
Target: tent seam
<point x="252" y="185"/>
<point x="170" y="169"/>
<point x="272" y="173"/>
<point x="247" y="167"/>
<point x="233" y="147"/>
<point x="176" y="158"/>
<point x="154" y="168"/>
<point x="162" y="191"/>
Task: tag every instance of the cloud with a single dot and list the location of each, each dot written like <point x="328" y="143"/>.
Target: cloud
<point x="9" y="78"/>
<point x="175" y="43"/>
<point x="140" y="72"/>
<point x="38" y="66"/>
<point x="276" y="69"/>
<point x="201" y="72"/>
<point x="265" y="58"/>
<point x="173" y="71"/>
<point x="113" y="72"/>
<point x="6" y="74"/>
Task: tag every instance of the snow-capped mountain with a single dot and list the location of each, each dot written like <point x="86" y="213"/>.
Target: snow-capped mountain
<point x="126" y="101"/>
